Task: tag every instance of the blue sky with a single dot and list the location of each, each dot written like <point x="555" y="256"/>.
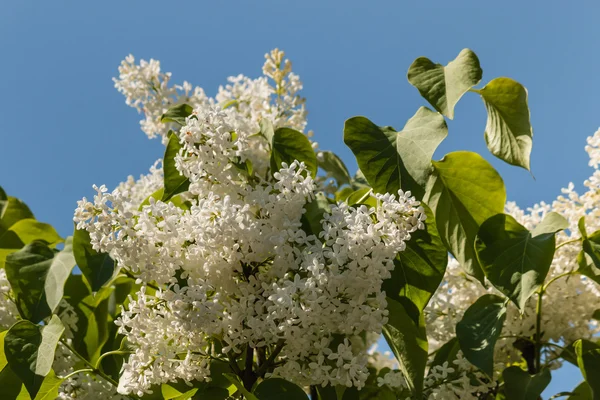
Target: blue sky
<point x="64" y="126"/>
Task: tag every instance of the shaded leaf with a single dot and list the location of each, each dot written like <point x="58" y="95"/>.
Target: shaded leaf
<point x="419" y="269"/>
<point x="277" y="388"/>
<point x="334" y="167"/>
<point x="408" y="342"/>
<point x="289" y="145"/>
<point x="177" y="114"/>
<point x="443" y="86"/>
<point x="26" y="271"/>
<point x="515" y="260"/>
<point x="393" y="160"/>
<point x="174" y="182"/>
<point x="97" y="268"/>
<point x="463" y="192"/>
<point x="583" y="391"/>
<point x="30" y="351"/>
<point x="519" y="385"/>
<point x="311" y="219"/>
<point x="479" y="329"/>
<point x="588" y="360"/>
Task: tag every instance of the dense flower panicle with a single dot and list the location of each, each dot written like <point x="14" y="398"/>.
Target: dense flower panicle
<point x="273" y="96"/>
<point x="560" y="324"/>
<point x="235" y="266"/>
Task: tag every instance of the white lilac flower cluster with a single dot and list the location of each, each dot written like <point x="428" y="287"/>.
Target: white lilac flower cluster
<point x="456" y="381"/>
<point x="569" y="301"/>
<point x="234" y="268"/>
<point x="273" y="96"/>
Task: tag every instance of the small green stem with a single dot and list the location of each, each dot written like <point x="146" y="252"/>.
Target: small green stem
<point x="538" y="331"/>
<point x="79" y="371"/>
<point x="557" y="277"/>
<point x="567" y="242"/>
<point x="110" y="353"/>
<point x="86" y="362"/>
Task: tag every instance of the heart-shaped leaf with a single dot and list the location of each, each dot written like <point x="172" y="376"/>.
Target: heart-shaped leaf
<point x="515" y="260"/>
<point x="30" y="349"/>
<point x="479" y="329"/>
<point x="443" y="86"/>
<point x="393" y="160"/>
<point x="588" y="360"/>
<point x="463" y="192"/>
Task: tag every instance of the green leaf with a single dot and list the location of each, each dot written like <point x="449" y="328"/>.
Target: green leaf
<point x="240" y="386"/>
<point x="30" y="351"/>
<point x="582" y="392"/>
<point x="419" y="269"/>
<point x="446" y="353"/>
<point x="49" y="388"/>
<point x="311" y="219"/>
<point x="9" y="381"/>
<point x="174" y="182"/>
<point x="588" y="360"/>
<point x="408" y="342"/>
<point x="479" y="330"/>
<point x="443" y="86"/>
<point x="97" y="268"/>
<point x="277" y="388"/>
<point x="289" y="145"/>
<point x="515" y="260"/>
<point x="334" y="167"/>
<point x="519" y="385"/>
<point x="24" y="232"/>
<point x="463" y="192"/>
<point x="393" y="160"/>
<point x="362" y="196"/>
<point x="177" y="114"/>
<point x="26" y="271"/>
<point x="266" y="129"/>
<point x="92" y="311"/>
<point x="589" y="257"/>
<point x="3" y="203"/>
<point x="58" y="273"/>
<point x="13" y="211"/>
<point x="508" y="131"/>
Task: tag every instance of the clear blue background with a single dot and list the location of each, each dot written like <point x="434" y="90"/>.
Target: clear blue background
<point x="64" y="126"/>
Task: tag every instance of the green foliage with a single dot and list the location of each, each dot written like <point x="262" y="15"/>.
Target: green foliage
<point x="174" y="182"/>
<point x="519" y="385"/>
<point x="508" y="132"/>
<point x="276" y="388"/>
<point x="289" y="145"/>
<point x="479" y="330"/>
<point x="582" y="392"/>
<point x="393" y="160"/>
<point x="97" y="268"/>
<point x="311" y="219"/>
<point x="26" y="271"/>
<point x="418" y="270"/>
<point x="588" y="360"/>
<point x="408" y="341"/>
<point x="515" y="260"/>
<point x="589" y="257"/>
<point x="334" y="167"/>
<point x="58" y="273"/>
<point x="177" y="114"/>
<point x="30" y="351"/>
<point x="443" y="86"/>
<point x="463" y="192"/>
<point x="446" y="353"/>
